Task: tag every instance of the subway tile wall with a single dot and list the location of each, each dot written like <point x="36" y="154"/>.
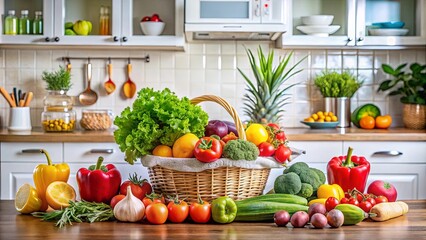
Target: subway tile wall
<point x="204" y="68"/>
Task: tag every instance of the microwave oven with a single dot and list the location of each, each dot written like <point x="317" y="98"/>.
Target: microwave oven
<point x="234" y="19"/>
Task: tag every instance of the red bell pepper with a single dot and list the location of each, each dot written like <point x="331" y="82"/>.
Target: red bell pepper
<point x="208" y="149"/>
<point x="348" y="171"/>
<point x="98" y="183"/>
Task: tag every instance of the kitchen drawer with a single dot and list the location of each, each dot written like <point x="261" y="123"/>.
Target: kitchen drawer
<point x="389" y="152"/>
<point x="89" y="153"/>
<point x="15" y="152"/>
<point x="317" y="152"/>
<point x="13" y="176"/>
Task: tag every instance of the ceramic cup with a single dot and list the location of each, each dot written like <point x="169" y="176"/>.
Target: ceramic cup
<point x="20" y="119"/>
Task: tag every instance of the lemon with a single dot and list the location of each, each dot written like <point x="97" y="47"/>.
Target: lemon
<point x="27" y="199"/>
<point x="334" y="118"/>
<point x="184" y="146"/>
<point x="162" y="151"/>
<point x="315" y="116"/>
<point x="327" y="119"/>
<point x="58" y="195"/>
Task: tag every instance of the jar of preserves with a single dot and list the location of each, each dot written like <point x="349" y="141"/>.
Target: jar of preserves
<point x="58" y="114"/>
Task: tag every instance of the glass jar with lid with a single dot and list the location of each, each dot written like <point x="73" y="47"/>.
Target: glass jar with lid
<point x="58" y="114"/>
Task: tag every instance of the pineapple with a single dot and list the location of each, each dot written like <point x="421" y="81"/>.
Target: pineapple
<point x="266" y="96"/>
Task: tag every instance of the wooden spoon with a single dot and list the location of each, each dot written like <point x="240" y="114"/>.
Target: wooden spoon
<point x="129" y="87"/>
<point x="109" y="85"/>
<point x="88" y="97"/>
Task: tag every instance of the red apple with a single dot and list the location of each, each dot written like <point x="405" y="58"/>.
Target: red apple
<point x="155" y="18"/>
<point x="146" y="19"/>
<point x="382" y="188"/>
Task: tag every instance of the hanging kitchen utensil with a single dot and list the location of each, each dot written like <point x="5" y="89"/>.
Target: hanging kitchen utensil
<point x="129" y="87"/>
<point x="109" y="85"/>
<point x="88" y="97"/>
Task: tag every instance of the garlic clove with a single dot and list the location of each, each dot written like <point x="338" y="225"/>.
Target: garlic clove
<point x="130" y="209"/>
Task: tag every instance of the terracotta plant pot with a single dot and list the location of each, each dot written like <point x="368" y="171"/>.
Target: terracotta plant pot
<point x="414" y="116"/>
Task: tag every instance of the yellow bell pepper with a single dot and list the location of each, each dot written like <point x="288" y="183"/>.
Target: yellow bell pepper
<point x="333" y="190"/>
<point x="318" y="200"/>
<point x="44" y="175"/>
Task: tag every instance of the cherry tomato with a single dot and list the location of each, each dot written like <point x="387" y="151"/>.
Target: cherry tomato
<point x="200" y="212"/>
<point x="156" y="213"/>
<point x="381" y="199"/>
<point x="366" y="206"/>
<point x="280" y="136"/>
<point x="153" y="198"/>
<point x="353" y="201"/>
<point x="282" y="153"/>
<point x="116" y="199"/>
<point x="140" y="187"/>
<point x="344" y="200"/>
<point x="359" y="197"/>
<point x="371" y="200"/>
<point x="266" y="149"/>
<point x="331" y="203"/>
<point x="178" y="211"/>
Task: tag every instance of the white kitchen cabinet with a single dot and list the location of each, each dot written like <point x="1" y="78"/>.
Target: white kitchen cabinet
<point x="355" y="18"/>
<point x="125" y="16"/>
<point x="18" y="161"/>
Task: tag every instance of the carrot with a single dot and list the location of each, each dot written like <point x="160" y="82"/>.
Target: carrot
<point x="387" y="210"/>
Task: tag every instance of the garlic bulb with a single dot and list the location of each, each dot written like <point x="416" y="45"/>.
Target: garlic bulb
<point x="130" y="209"/>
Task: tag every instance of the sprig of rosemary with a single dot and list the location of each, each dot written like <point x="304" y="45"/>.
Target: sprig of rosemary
<point x="81" y="211"/>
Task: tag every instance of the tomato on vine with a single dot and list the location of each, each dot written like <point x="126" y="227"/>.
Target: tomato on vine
<point x="140" y="187"/>
<point x="331" y="203"/>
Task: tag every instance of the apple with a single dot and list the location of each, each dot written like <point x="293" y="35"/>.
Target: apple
<point x="155" y="18"/>
<point x="146" y="19"/>
<point x="382" y="188"/>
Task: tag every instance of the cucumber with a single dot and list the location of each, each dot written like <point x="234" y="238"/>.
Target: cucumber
<point x="352" y="213"/>
<point x="368" y="109"/>
<point x="257" y="211"/>
<point x="276" y="197"/>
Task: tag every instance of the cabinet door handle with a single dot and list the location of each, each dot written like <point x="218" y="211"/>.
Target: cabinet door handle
<point x="109" y="151"/>
<point x="31" y="150"/>
<point x="115" y="39"/>
<point x="47" y="39"/>
<point x="360" y="39"/>
<point x="56" y="39"/>
<point x="124" y="39"/>
<point x="388" y="153"/>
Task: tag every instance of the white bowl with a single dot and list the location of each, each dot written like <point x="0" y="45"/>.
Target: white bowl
<point x="320" y="31"/>
<point x="318" y="20"/>
<point x="152" y="28"/>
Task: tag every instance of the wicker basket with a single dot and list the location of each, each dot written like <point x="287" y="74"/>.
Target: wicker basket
<point x="235" y="182"/>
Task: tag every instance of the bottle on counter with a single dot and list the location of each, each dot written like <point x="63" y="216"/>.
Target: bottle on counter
<point x="24" y="23"/>
<point x="38" y="23"/>
<point x="11" y="23"/>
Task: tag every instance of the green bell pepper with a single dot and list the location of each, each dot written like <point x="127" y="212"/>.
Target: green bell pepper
<point x="224" y="210"/>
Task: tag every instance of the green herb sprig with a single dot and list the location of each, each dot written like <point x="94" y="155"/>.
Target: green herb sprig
<point x="81" y="211"/>
<point x="57" y="80"/>
<point x="334" y="84"/>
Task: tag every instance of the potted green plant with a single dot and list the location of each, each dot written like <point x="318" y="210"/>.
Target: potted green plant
<point x="411" y="86"/>
<point x="59" y="80"/>
<point x="266" y="96"/>
<point x="337" y="90"/>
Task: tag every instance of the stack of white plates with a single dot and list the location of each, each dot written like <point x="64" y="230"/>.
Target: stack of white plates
<point x="318" y="25"/>
<point x="388" y="29"/>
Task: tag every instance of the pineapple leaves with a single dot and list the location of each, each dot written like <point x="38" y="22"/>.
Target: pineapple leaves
<point x="266" y="94"/>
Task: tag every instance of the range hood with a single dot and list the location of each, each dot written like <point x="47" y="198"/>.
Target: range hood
<point x="215" y="31"/>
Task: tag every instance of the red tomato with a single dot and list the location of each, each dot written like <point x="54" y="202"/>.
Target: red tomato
<point x="382" y="188"/>
<point x="273" y="126"/>
<point x="276" y="134"/>
<point x="381" y="199"/>
<point x="208" y="149"/>
<point x="371" y="200"/>
<point x="156" y="213"/>
<point x="353" y="201"/>
<point x="178" y="211"/>
<point x="366" y="206"/>
<point x="116" y="199"/>
<point x="280" y="136"/>
<point x="266" y="149"/>
<point x="282" y="153"/>
<point x="359" y="197"/>
<point x="200" y="212"/>
<point x="140" y="187"/>
<point x="344" y="200"/>
<point x="153" y="198"/>
<point x="331" y="203"/>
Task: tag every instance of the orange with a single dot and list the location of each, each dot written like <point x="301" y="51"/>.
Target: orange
<point x="27" y="199"/>
<point x="162" y="151"/>
<point x="367" y="122"/>
<point x="257" y="133"/>
<point x="184" y="146"/>
<point x="383" y="122"/>
<point x="58" y="195"/>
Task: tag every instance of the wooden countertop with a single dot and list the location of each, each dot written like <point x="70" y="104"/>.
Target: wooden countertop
<point x="293" y="134"/>
<point x="16" y="226"/>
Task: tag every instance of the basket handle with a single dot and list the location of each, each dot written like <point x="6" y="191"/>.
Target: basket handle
<point x="228" y="108"/>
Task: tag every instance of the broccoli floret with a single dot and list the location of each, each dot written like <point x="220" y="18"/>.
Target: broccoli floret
<point x="310" y="176"/>
<point x="240" y="149"/>
<point x="297" y="168"/>
<point x="320" y="174"/>
<point x="288" y="183"/>
<point x="306" y="190"/>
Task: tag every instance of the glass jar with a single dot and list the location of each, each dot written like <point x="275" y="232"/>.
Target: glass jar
<point x="96" y="119"/>
<point x="58" y="114"/>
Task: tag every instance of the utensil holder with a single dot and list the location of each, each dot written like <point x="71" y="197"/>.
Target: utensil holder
<point x="20" y="119"/>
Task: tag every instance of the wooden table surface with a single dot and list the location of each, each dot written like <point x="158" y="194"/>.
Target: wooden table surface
<point x="16" y="226"/>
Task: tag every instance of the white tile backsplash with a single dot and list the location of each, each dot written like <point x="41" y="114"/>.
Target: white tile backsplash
<point x="205" y="68"/>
